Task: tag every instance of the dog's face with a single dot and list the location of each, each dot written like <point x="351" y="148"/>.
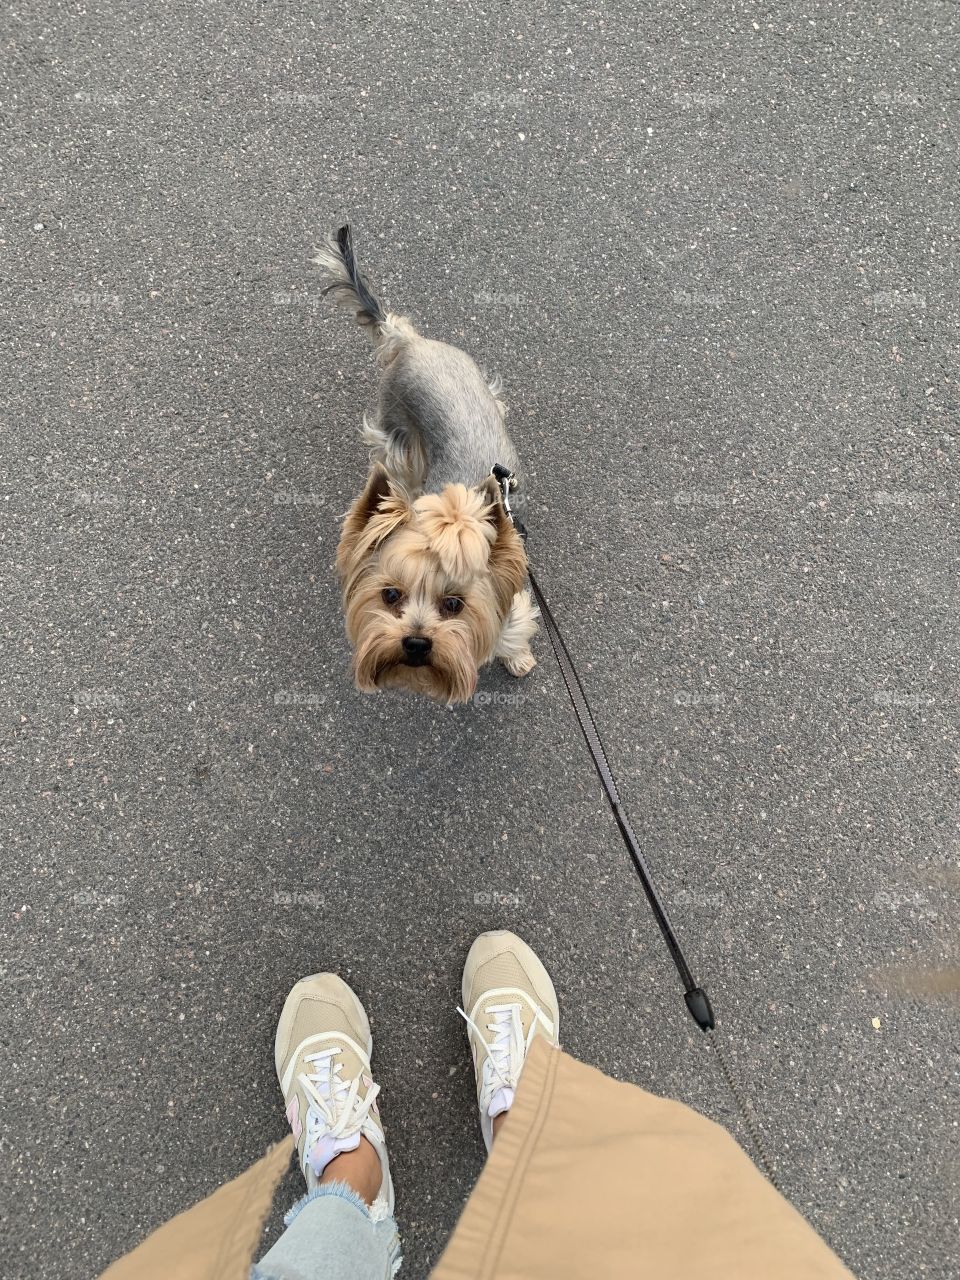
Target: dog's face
<point x="426" y="585"/>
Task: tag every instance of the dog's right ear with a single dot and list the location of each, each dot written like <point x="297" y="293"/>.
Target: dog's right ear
<point x="375" y="514"/>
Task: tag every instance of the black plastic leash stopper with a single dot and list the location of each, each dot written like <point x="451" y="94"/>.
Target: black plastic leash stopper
<point x="701" y="1010"/>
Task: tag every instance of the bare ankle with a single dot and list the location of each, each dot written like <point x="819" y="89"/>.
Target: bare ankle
<point x="359" y="1169"/>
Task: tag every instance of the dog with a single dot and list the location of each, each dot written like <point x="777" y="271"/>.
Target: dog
<point x="431" y="566"/>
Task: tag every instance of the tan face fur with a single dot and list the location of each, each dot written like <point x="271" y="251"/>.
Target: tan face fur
<point x="426" y="585"/>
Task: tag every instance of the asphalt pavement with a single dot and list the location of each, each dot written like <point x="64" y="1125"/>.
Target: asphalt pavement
<point x="712" y="252"/>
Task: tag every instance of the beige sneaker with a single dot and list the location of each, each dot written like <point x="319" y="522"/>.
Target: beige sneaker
<point x="322" y="1051"/>
<point x="508" y="999"/>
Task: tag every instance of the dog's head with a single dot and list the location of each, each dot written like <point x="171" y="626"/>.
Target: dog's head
<point x="426" y="585"/>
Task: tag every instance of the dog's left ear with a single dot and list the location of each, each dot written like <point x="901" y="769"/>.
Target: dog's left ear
<point x="508" y="559"/>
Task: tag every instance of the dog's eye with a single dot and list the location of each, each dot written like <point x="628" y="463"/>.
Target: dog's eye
<point x="451" y="605"/>
<point x="391" y="595"/>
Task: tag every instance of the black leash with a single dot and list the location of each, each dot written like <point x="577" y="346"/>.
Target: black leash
<point x="695" y="998"/>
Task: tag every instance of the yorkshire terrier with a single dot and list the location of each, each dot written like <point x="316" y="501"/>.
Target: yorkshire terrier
<point x="431" y="565"/>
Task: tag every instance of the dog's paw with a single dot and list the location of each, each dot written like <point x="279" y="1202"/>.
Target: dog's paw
<point x="520" y="665"/>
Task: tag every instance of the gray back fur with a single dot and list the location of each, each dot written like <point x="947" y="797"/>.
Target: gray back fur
<point x="439" y="421"/>
<point x="435" y="391"/>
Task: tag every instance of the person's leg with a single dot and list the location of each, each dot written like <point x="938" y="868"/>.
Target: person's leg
<point x="508" y="999"/>
<point x="343" y="1228"/>
<point x="591" y="1176"/>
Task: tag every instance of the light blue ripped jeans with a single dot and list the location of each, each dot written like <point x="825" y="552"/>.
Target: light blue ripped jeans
<point x="331" y="1235"/>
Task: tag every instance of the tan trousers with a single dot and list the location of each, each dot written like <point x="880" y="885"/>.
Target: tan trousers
<point x="595" y="1179"/>
<point x="588" y="1180"/>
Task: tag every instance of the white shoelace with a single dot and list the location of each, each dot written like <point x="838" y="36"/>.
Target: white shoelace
<point x="335" y="1106"/>
<point x="506" y="1051"/>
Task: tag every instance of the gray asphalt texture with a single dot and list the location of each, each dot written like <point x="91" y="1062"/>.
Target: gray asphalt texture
<point x="712" y="251"/>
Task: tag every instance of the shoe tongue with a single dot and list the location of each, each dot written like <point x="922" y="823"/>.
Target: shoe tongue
<point x="325" y="1148"/>
<point x="501" y="1101"/>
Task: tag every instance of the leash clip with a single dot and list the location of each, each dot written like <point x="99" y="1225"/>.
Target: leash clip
<point x="506" y="480"/>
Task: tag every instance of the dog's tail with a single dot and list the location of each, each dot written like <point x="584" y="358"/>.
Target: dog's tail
<point x="351" y="291"/>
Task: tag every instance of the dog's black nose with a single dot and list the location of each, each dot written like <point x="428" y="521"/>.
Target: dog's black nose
<point x="417" y="647"/>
